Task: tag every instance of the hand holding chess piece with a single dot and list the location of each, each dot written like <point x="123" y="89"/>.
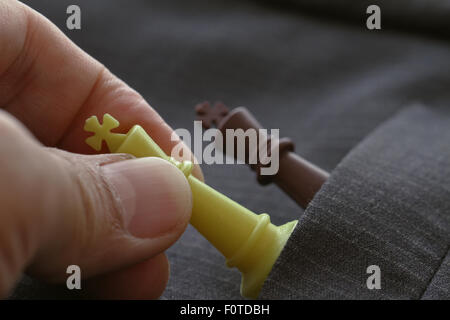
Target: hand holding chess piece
<point x="61" y="207"/>
<point x="249" y="242"/>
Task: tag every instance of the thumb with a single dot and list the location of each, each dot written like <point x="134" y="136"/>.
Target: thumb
<point x="102" y="213"/>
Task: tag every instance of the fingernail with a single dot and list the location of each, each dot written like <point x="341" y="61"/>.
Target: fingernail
<point x="153" y="195"/>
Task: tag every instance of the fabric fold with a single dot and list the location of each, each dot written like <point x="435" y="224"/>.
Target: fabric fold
<point x="386" y="204"/>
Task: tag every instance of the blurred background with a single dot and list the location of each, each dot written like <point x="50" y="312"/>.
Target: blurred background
<point x="310" y="68"/>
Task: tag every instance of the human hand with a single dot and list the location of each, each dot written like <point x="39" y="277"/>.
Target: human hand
<point x="109" y="214"/>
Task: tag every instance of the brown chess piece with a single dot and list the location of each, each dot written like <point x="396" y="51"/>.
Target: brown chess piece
<point x="299" y="178"/>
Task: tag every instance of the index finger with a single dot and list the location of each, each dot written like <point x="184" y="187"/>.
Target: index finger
<point x="53" y="86"/>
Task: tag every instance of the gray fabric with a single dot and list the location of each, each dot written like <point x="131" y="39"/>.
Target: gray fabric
<point x="387" y="204"/>
<point x="326" y="85"/>
<point x="430" y="17"/>
<point x="439" y="286"/>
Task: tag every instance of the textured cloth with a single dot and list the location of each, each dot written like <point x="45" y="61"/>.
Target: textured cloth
<point x="386" y="204"/>
<point x="325" y="84"/>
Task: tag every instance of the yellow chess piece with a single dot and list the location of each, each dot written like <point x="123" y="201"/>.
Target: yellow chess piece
<point x="248" y="241"/>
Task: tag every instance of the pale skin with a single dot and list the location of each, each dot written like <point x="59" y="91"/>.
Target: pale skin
<point x="55" y="209"/>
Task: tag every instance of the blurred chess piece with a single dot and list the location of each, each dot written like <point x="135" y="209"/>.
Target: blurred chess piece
<point x="299" y="178"/>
